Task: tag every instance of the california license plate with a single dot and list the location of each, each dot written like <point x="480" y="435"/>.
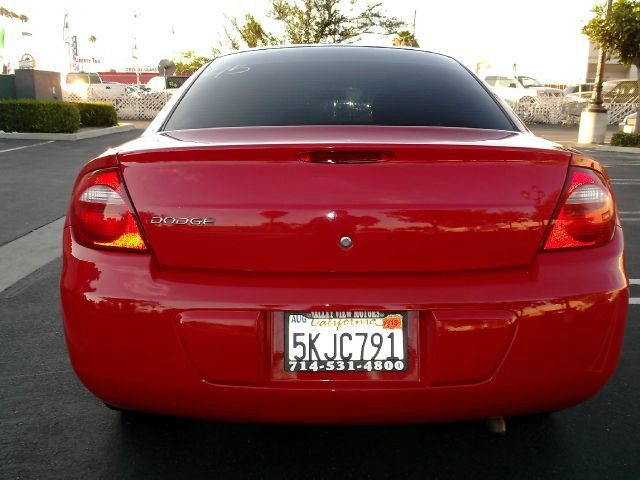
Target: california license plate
<point x="345" y="341"/>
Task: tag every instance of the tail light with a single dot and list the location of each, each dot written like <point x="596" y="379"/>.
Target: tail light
<point x="586" y="217"/>
<point x="102" y="215"/>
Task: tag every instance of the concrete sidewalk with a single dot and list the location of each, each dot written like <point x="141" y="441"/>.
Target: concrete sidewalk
<point x="139" y="124"/>
<point x="565" y="135"/>
<point x="82" y="134"/>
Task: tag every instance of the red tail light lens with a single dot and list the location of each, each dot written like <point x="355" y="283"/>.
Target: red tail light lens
<point x="587" y="213"/>
<point x="102" y="216"/>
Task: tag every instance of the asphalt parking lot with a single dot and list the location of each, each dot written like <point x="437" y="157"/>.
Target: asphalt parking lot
<point x="51" y="427"/>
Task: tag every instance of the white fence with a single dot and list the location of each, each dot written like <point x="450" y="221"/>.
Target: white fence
<point x="131" y="106"/>
<point x="557" y="111"/>
<point x="565" y="111"/>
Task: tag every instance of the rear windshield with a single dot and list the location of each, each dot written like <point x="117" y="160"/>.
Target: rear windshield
<point x="336" y="86"/>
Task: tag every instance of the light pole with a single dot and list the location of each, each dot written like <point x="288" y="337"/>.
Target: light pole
<point x="593" y="120"/>
<point x="134" y="50"/>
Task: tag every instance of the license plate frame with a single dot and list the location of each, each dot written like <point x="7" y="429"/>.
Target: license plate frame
<point x="349" y="365"/>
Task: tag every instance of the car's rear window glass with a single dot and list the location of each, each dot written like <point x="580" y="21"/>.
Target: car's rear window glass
<point x="336" y="86"/>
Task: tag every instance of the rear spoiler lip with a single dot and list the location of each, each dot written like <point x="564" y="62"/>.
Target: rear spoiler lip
<point x="391" y="136"/>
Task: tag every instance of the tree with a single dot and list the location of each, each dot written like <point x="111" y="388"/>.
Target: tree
<point x="13" y="15"/>
<point x="190" y="62"/>
<point x="618" y="34"/>
<point x="92" y="39"/>
<point x="251" y="32"/>
<point x="313" y="21"/>
<point x="405" y="39"/>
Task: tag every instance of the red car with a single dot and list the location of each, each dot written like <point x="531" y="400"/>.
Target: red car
<point x="340" y="234"/>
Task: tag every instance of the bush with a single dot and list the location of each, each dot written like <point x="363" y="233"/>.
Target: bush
<point x="625" y="139"/>
<point x="97" y="114"/>
<point x="46" y="116"/>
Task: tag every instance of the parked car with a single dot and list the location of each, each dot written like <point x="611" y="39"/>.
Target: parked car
<point x="521" y="88"/>
<point x="620" y="91"/>
<point x="300" y="237"/>
<point x="149" y="98"/>
<point x="86" y="85"/>
<point x="160" y="83"/>
<point x="628" y="124"/>
<point x="613" y="91"/>
<point x="580" y="90"/>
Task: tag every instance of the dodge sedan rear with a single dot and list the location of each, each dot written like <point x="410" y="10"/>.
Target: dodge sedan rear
<point x="341" y="234"/>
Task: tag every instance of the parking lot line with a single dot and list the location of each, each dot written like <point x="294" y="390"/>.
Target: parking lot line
<point x="25" y="146"/>
<point x="634" y="300"/>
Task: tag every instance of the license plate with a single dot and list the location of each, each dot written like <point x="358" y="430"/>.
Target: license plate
<point x="345" y="341"/>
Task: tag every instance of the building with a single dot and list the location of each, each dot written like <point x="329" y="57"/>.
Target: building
<point x="613" y="70"/>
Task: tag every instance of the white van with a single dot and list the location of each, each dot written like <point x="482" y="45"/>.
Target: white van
<point x="521" y="88"/>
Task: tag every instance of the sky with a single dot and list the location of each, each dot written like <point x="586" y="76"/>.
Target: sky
<point x="542" y="38"/>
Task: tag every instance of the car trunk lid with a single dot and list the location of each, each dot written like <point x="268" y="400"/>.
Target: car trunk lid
<point x="426" y="200"/>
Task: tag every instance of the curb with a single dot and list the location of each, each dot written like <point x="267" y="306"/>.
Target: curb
<point x="97" y="132"/>
<point x="608" y="148"/>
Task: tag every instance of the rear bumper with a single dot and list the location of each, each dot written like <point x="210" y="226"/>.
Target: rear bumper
<point x="209" y="345"/>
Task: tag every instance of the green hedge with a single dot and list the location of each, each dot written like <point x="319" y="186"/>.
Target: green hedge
<point x="625" y="140"/>
<point x="97" y="114"/>
<point x="48" y="116"/>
